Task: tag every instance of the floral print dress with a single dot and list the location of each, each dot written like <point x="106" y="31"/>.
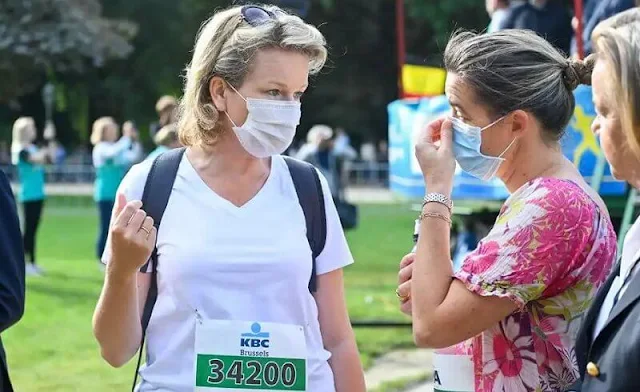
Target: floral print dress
<point x="549" y="251"/>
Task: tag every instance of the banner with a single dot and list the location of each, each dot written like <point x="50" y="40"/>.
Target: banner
<point x="408" y="116"/>
<point x="422" y="81"/>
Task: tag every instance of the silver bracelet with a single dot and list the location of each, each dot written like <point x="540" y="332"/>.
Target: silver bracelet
<point x="438" y="198"/>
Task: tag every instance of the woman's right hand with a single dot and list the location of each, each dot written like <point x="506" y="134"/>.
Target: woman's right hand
<point x="133" y="237"/>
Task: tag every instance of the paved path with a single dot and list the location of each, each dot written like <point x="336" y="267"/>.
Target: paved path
<point x="357" y="194"/>
<point x="396" y="365"/>
<point x="426" y="387"/>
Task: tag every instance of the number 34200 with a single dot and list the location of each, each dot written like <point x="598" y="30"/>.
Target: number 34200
<point x="253" y="373"/>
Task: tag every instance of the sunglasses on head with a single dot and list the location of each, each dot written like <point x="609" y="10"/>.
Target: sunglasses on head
<point x="256" y="15"/>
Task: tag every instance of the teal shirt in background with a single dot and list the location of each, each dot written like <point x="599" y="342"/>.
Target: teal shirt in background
<point x="159" y="150"/>
<point x="108" y="178"/>
<point x="31" y="175"/>
<point x="111" y="162"/>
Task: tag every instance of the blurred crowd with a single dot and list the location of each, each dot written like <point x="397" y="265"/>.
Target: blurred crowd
<point x="553" y="19"/>
<point x="116" y="148"/>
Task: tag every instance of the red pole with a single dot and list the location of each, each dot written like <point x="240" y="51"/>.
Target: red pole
<point x="400" y="43"/>
<point x="577" y="5"/>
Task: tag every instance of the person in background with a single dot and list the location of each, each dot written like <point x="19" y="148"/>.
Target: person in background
<point x="498" y="11"/>
<point x="165" y="139"/>
<point x="608" y="346"/>
<point x="369" y="155"/>
<point x="595" y="11"/>
<point x="135" y="153"/>
<point x="12" y="271"/>
<point x="30" y="161"/>
<point x="345" y="155"/>
<point x="315" y="136"/>
<point x="166" y="107"/>
<point x="111" y="159"/>
<point x="318" y="151"/>
<point x="550" y="19"/>
<point x="507" y="320"/>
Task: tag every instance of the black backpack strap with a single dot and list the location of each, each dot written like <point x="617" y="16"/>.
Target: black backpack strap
<point x="311" y="197"/>
<point x="155" y="198"/>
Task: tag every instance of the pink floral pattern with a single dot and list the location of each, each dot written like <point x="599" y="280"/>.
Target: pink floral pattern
<point x="549" y="251"/>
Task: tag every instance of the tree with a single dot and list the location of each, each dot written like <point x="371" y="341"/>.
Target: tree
<point x="353" y="90"/>
<point x="55" y="36"/>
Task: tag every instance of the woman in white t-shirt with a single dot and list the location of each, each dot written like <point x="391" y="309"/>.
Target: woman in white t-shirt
<point x="233" y="258"/>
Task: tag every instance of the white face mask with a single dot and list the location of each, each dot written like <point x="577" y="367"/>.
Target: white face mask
<point x="270" y="126"/>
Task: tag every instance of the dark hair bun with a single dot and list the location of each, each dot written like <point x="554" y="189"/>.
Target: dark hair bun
<point x="577" y="72"/>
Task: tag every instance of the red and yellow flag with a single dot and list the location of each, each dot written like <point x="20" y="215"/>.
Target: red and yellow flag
<point x="422" y="81"/>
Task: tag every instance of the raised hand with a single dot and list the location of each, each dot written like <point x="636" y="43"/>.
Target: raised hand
<point x="133" y="236"/>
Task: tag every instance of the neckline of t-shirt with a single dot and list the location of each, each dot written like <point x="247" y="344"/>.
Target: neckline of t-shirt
<point x="542" y="180"/>
<point x="554" y="180"/>
<point x="192" y="174"/>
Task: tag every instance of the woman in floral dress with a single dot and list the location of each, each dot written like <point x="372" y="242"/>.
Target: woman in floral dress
<point x="507" y="321"/>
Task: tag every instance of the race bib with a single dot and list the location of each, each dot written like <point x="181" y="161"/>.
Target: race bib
<point x="452" y="373"/>
<point x="238" y="356"/>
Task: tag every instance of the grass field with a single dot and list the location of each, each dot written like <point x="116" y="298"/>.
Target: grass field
<point x="52" y="348"/>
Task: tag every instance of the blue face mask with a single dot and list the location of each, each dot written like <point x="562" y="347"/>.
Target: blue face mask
<point x="467" y="140"/>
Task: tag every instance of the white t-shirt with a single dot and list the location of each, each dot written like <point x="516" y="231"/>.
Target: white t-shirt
<point x="250" y="263"/>
<point x="124" y="151"/>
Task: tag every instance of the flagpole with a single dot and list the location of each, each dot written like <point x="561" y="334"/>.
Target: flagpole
<point x="579" y="13"/>
<point x="401" y="45"/>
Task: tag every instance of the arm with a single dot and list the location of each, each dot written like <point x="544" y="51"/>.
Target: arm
<point x="108" y="151"/>
<point x="118" y="314"/>
<point x="132" y="154"/>
<point x="447" y="312"/>
<point x="46" y="154"/>
<point x="12" y="286"/>
<point x="444" y="311"/>
<point x="40" y="157"/>
<point x="337" y="335"/>
<point x="116" y="320"/>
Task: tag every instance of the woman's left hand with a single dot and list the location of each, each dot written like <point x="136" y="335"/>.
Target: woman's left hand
<point x="404" y="283"/>
<point x="436" y="160"/>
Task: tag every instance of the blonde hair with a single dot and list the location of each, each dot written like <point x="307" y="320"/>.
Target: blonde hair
<point x="166" y="102"/>
<point x="19" y="133"/>
<point x="319" y="133"/>
<point x="225" y="47"/>
<point x="167" y="135"/>
<point x="20" y="128"/>
<point x="166" y="108"/>
<point x="617" y="42"/>
<point x="99" y="127"/>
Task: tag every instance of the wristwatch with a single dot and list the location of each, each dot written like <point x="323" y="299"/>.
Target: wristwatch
<point x="438" y="198"/>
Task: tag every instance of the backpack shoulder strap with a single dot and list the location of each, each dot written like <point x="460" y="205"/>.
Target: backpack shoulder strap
<point x="311" y="198"/>
<point x="155" y="198"/>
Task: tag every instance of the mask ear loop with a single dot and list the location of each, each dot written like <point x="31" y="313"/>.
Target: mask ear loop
<point x="494" y="123"/>
<point x="508" y="147"/>
<point x="236" y="91"/>
<point x="510" y="144"/>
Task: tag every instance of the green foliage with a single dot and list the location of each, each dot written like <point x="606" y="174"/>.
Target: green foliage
<point x="436" y="20"/>
<point x="352" y="91"/>
<point x="63" y="36"/>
